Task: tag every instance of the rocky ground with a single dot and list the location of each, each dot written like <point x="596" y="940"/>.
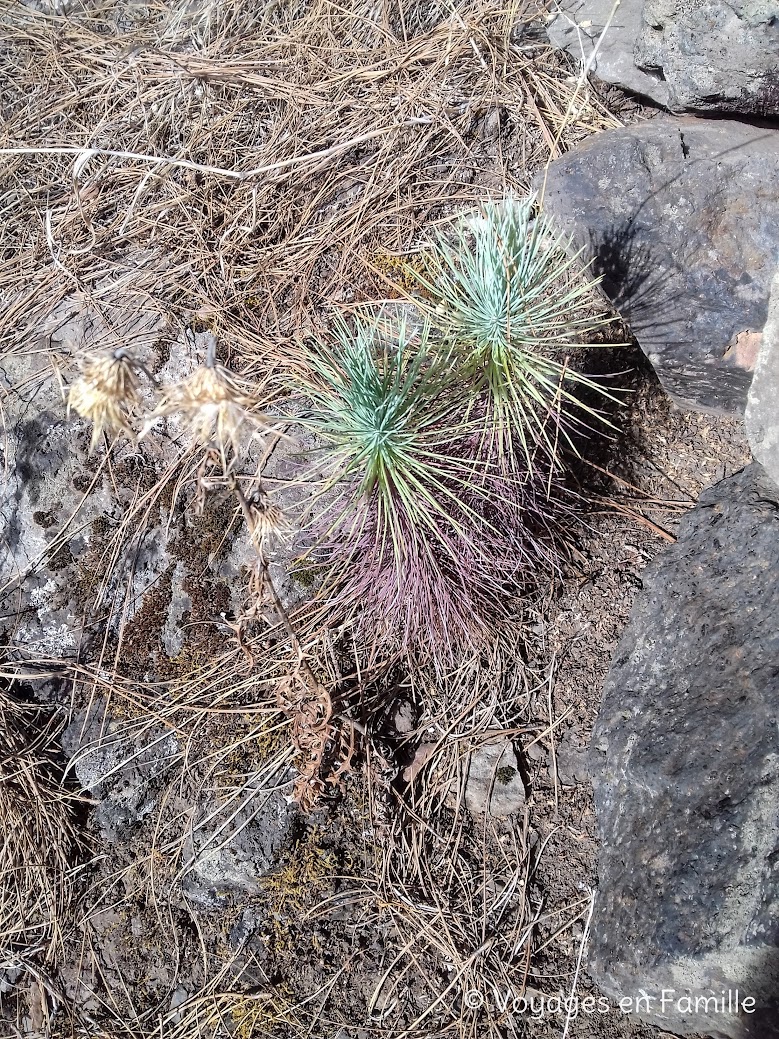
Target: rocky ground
<point x="156" y="713"/>
<point x="209" y="885"/>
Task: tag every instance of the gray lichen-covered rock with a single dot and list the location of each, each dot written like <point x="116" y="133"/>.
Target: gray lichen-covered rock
<point x="714" y="55"/>
<point x="686" y="775"/>
<point x="79" y="560"/>
<point x="58" y="499"/>
<point x="688" y="55"/>
<point x="132" y="767"/>
<point x="578" y="26"/>
<point x="762" y="414"/>
<point x="232" y="845"/>
<point x="120" y="764"/>
<point x="493" y="782"/>
<point x="681" y="218"/>
<point x="46" y="475"/>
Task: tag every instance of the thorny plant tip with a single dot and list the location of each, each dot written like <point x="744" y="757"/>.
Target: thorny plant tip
<point x="217" y="410"/>
<point x="499" y="285"/>
<point x="266" y="521"/>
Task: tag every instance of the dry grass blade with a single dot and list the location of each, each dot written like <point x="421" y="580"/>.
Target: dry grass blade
<point x="37" y="839"/>
<point x="245" y="167"/>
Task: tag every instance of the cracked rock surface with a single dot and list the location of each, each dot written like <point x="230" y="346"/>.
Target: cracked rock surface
<point x="680" y="216"/>
<point x="685" y="754"/>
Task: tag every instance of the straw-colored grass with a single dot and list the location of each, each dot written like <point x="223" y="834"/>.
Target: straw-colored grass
<point x="37" y="838"/>
<point x="243" y="169"/>
<point x="239" y="167"/>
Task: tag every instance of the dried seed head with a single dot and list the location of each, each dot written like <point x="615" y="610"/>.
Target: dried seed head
<point x="215" y="408"/>
<point x="268" y="521"/>
<point x="105" y="394"/>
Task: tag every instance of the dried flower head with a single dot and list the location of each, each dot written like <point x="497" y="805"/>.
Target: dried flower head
<point x="215" y="407"/>
<point x="267" y="521"/>
<point x="105" y="394"/>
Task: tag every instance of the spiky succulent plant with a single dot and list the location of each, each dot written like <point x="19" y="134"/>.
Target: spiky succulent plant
<point x="406" y="519"/>
<point x="445" y="498"/>
<point x="500" y="285"/>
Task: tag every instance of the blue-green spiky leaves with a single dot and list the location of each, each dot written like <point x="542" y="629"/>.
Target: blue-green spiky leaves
<point x="381" y="405"/>
<point x="501" y="285"/>
<point x="444" y="493"/>
<point x="403" y="518"/>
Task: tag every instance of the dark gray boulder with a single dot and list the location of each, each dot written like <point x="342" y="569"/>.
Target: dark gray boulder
<point x="714" y="55"/>
<point x="686" y="776"/>
<point x="578" y="26"/>
<point x="681" y="218"/>
<point x="688" y="55"/>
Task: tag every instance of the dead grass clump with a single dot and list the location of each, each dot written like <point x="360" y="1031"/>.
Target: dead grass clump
<point x="239" y="165"/>
<point x="37" y="838"/>
<point x="451" y="893"/>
